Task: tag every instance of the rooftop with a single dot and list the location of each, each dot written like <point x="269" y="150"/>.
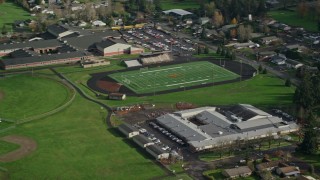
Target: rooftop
<point x="179" y="12"/>
<point x="238" y="171"/>
<point x="31" y="44"/>
<point x="156" y="149"/>
<point x="127" y="128"/>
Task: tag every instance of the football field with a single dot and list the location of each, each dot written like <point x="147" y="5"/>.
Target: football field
<point x="148" y="80"/>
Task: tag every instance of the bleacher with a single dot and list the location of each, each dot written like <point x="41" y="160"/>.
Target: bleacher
<point x="155" y="58"/>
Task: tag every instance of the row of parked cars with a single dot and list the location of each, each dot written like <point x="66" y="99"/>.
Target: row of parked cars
<point x="153" y="138"/>
<point x="166" y="133"/>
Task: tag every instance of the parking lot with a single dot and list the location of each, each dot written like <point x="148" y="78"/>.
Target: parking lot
<point x="145" y="122"/>
<point x="157" y="40"/>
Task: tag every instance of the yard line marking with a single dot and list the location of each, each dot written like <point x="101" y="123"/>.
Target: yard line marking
<point x="186" y="82"/>
<point x="162" y="69"/>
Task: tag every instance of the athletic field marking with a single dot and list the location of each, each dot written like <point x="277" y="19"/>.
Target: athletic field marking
<point x="187" y="82"/>
<point x="162" y="69"/>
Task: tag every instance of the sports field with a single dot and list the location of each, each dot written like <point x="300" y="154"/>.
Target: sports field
<point x="173" y="76"/>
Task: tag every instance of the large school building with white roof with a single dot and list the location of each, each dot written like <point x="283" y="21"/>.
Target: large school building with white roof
<point x="210" y="127"/>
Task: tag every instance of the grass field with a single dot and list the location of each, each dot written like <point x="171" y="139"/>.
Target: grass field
<point x="7" y="147"/>
<point x="173" y="77"/>
<point x="291" y="18"/>
<point x="174" y="4"/>
<point x="10" y="12"/>
<point x="26" y="96"/>
<point x="75" y="144"/>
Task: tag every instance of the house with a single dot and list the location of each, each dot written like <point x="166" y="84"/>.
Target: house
<point x="117" y="96"/>
<point x="157" y="152"/>
<point x="128" y="130"/>
<point x="98" y="23"/>
<point x="270" y="39"/>
<point x="242" y="171"/>
<point x="19" y="23"/>
<point x="288" y="171"/>
<point x="244" y="45"/>
<point x="267" y="166"/>
<point x="188" y="21"/>
<point x="265" y="54"/>
<point x="82" y="24"/>
<point x="293" y="64"/>
<point x="110" y="47"/>
<point x="279" y="59"/>
<point x="142" y="141"/>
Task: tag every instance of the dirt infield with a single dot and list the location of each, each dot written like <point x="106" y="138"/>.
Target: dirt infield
<point x="27" y="146"/>
<point x="244" y="70"/>
<point x="109" y="86"/>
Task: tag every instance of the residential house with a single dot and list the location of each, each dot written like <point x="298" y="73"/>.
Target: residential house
<point x="279" y="59"/>
<point x="288" y="171"/>
<point x="242" y="171"/>
<point x="293" y="64"/>
<point x="270" y="39"/>
<point x="267" y="166"/>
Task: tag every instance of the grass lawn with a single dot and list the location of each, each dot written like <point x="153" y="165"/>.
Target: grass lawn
<point x="7" y="147"/>
<point x="177" y="167"/>
<point x="179" y="177"/>
<point x="212" y="54"/>
<point x="310" y="159"/>
<point x="26" y="96"/>
<point x="261" y="91"/>
<point x="10" y="12"/>
<point x="214" y="174"/>
<point x="175" y="4"/>
<point x="211" y="156"/>
<point x="292" y="19"/>
<point x="173" y="77"/>
<point x="76" y="144"/>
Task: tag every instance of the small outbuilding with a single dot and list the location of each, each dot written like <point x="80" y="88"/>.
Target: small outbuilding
<point x="117" y="96"/>
<point x="157" y="152"/>
<point x="242" y="171"/>
<point x="128" y="130"/>
<point x="142" y="141"/>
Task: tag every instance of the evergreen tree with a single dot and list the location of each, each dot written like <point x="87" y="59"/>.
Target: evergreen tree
<point x="260" y="69"/>
<point x="288" y="82"/>
<point x="218" y="50"/>
<point x="264" y="71"/>
<point x="199" y="50"/>
<point x="157" y="5"/>
<point x="309" y="144"/>
<point x="223" y="52"/>
<point x="206" y="50"/>
<point x="4" y="30"/>
<point x="233" y="56"/>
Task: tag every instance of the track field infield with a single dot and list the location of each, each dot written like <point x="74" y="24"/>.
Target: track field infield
<point x="148" y="80"/>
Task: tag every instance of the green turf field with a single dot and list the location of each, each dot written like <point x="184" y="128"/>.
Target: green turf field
<point x="172" y="77"/>
<point x="25" y="96"/>
<point x="10" y="12"/>
<point x="7" y="147"/>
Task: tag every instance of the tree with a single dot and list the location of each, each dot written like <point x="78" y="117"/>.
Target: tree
<point x="199" y="50"/>
<point x="261" y="10"/>
<point x="218" y="50"/>
<point x="244" y="32"/>
<point x="218" y="19"/>
<point x="228" y="53"/>
<point x="206" y="50"/>
<point x="264" y="71"/>
<point x="2" y="1"/>
<point x="233" y="56"/>
<point x="209" y="9"/>
<point x="302" y="9"/>
<point x="260" y="68"/>
<point x="203" y="33"/>
<point x="223" y="52"/>
<point x="234" y="21"/>
<point x="311" y="169"/>
<point x="309" y="144"/>
<point x="4" y="30"/>
<point x="288" y="82"/>
<point x="157" y="5"/>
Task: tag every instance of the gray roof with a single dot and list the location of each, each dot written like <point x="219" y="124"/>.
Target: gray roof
<point x="237" y="171"/>
<point x="88" y="41"/>
<point x="258" y="122"/>
<point x="127" y="128"/>
<point x="156" y="149"/>
<point x="56" y="29"/>
<point x="183" y="128"/>
<point x="106" y="43"/>
<point x="179" y="12"/>
<point x="43" y="58"/>
<point x="31" y="44"/>
<point x="141" y="139"/>
<point x="192" y="112"/>
<point x="213" y="117"/>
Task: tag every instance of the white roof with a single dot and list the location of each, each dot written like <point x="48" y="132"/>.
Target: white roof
<point x="132" y="63"/>
<point x="192" y="112"/>
<point x="180" y="12"/>
<point x="258" y="122"/>
<point x="255" y="110"/>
